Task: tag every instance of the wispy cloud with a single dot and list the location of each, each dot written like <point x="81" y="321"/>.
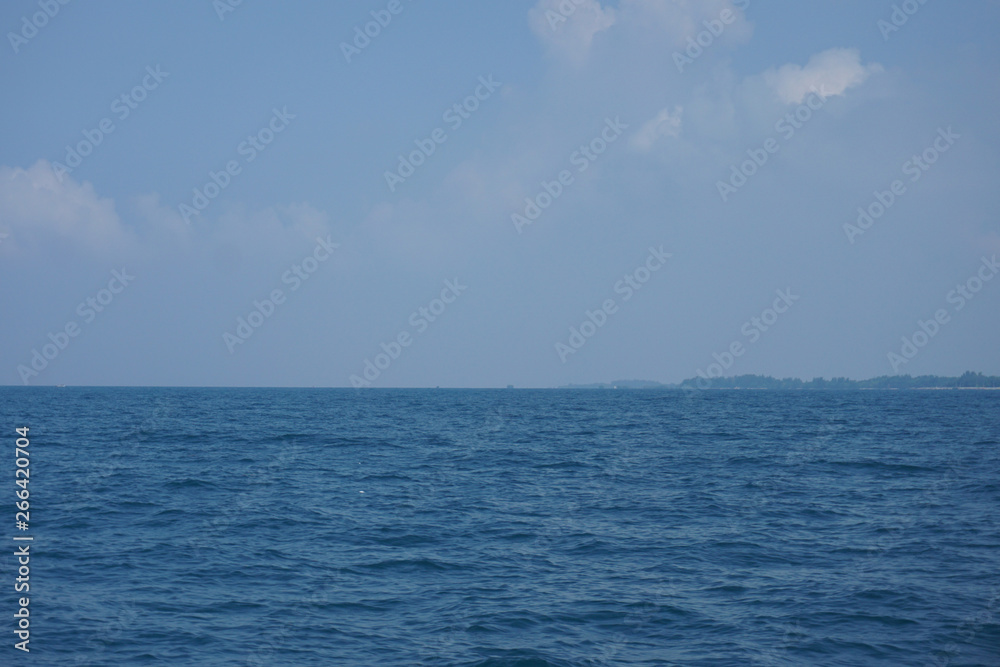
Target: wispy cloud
<point x="664" y="124"/>
<point x="833" y="72"/>
<point x="568" y="27"/>
<point x="38" y="208"/>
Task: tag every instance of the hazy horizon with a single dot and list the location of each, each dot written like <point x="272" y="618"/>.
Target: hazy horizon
<point x="504" y="388"/>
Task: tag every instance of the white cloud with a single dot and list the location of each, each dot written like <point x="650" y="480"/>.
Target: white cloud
<point x="568" y="27"/>
<point x="271" y="230"/>
<point x="664" y="124"/>
<point x="35" y="207"/>
<point x="683" y="19"/>
<point x="37" y="210"/>
<point x="832" y="72"/>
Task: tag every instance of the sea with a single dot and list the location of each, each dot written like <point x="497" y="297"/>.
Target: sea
<point x="502" y="528"/>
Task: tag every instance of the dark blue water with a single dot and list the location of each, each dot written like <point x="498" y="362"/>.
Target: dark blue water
<point x="503" y="528"/>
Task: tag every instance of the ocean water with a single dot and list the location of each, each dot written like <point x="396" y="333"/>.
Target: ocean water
<point x="507" y="528"/>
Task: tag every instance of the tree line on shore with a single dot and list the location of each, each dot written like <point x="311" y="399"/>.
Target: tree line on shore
<point x="968" y="380"/>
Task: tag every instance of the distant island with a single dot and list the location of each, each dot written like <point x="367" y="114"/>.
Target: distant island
<point x="968" y="380"/>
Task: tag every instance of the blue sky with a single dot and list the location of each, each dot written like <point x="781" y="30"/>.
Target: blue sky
<point x="644" y="129"/>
